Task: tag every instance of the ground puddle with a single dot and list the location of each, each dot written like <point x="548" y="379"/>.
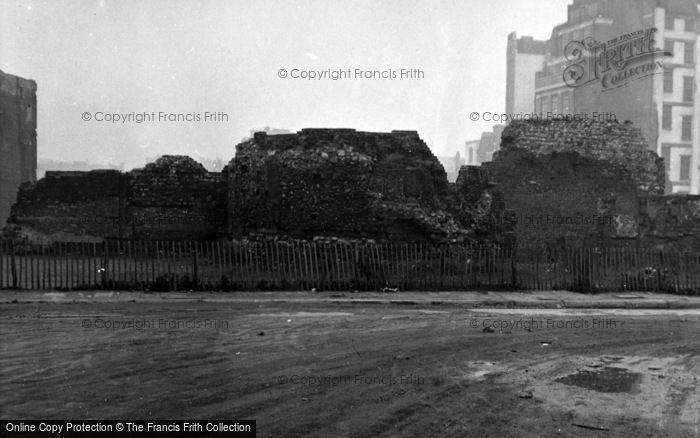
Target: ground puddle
<point x="608" y="379"/>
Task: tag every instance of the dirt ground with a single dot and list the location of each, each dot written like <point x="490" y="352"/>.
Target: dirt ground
<point x="320" y="370"/>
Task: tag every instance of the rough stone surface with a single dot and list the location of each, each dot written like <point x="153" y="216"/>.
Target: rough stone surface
<point x="318" y="183"/>
<point x="549" y="183"/>
<point x="589" y="183"/>
<point x="173" y="198"/>
<point x="565" y="198"/>
<point x="618" y="144"/>
<point x="481" y="205"/>
<point x="342" y="182"/>
<point x="671" y="221"/>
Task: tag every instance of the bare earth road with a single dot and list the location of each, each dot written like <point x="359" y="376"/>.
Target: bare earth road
<point x="339" y="369"/>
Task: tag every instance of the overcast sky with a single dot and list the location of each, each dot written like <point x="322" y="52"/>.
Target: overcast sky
<point x="192" y="56"/>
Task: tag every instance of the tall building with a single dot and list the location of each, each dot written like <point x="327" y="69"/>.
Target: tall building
<point x="524" y="59"/>
<point x="633" y="60"/>
<point x="677" y="95"/>
<point x="17" y="138"/>
<point x="490" y="142"/>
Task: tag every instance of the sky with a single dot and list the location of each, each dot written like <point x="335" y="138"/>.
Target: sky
<point x="94" y="58"/>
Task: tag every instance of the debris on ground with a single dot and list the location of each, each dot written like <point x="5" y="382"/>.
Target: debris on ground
<point x="525" y="394"/>
<point x="585" y="426"/>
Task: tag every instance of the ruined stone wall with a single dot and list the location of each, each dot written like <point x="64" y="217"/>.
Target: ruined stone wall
<point x="481" y="206"/>
<point x="567" y="199"/>
<point x="340" y="182"/>
<point x="173" y="198"/>
<point x="65" y="204"/>
<point x="316" y="183"/>
<point x="671" y="221"/>
<point x="17" y="138"/>
<point x="590" y="183"/>
<point x="613" y="143"/>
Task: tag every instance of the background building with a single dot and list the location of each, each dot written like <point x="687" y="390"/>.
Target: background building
<point x="451" y="164"/>
<point x="676" y="94"/>
<point x="17" y="138"/>
<point x="663" y="103"/>
<point x="471" y="149"/>
<point x="490" y="142"/>
<point x="524" y="59"/>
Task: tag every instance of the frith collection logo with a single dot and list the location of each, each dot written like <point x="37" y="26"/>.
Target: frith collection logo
<point x="614" y="63"/>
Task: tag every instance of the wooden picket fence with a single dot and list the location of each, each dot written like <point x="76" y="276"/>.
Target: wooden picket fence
<point x="298" y="265"/>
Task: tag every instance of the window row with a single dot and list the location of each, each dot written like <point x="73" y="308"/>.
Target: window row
<point x="686" y="123"/>
<point x="685" y="161"/>
<point x="670" y="23"/>
<point x="557" y="103"/>
<point x="687" y="85"/>
<point x="688" y="50"/>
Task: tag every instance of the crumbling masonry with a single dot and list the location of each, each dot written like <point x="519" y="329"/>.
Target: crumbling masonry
<point x="554" y="183"/>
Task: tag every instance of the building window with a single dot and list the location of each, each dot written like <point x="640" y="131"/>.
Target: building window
<point x="555" y="103"/>
<point x="687" y="128"/>
<point x="687" y="89"/>
<point x="689" y="25"/>
<point x="689" y="53"/>
<point x="668" y="46"/>
<point x="668" y="25"/>
<point x="538" y="104"/>
<point x="685" y="168"/>
<point x="668" y="81"/>
<point x="666" y="120"/>
<point x="545" y="104"/>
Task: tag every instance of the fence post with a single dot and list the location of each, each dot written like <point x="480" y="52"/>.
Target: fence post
<point x="513" y="269"/>
<point x="356" y="270"/>
<point x="103" y="269"/>
<point x="195" y="271"/>
<point x="14" y="266"/>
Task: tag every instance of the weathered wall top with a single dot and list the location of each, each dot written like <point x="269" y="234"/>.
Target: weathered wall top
<point x="339" y="182"/>
<point x="342" y="182"/>
<point x="618" y="144"/>
<point x="376" y="143"/>
<point x="175" y="164"/>
<point x="173" y="198"/>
